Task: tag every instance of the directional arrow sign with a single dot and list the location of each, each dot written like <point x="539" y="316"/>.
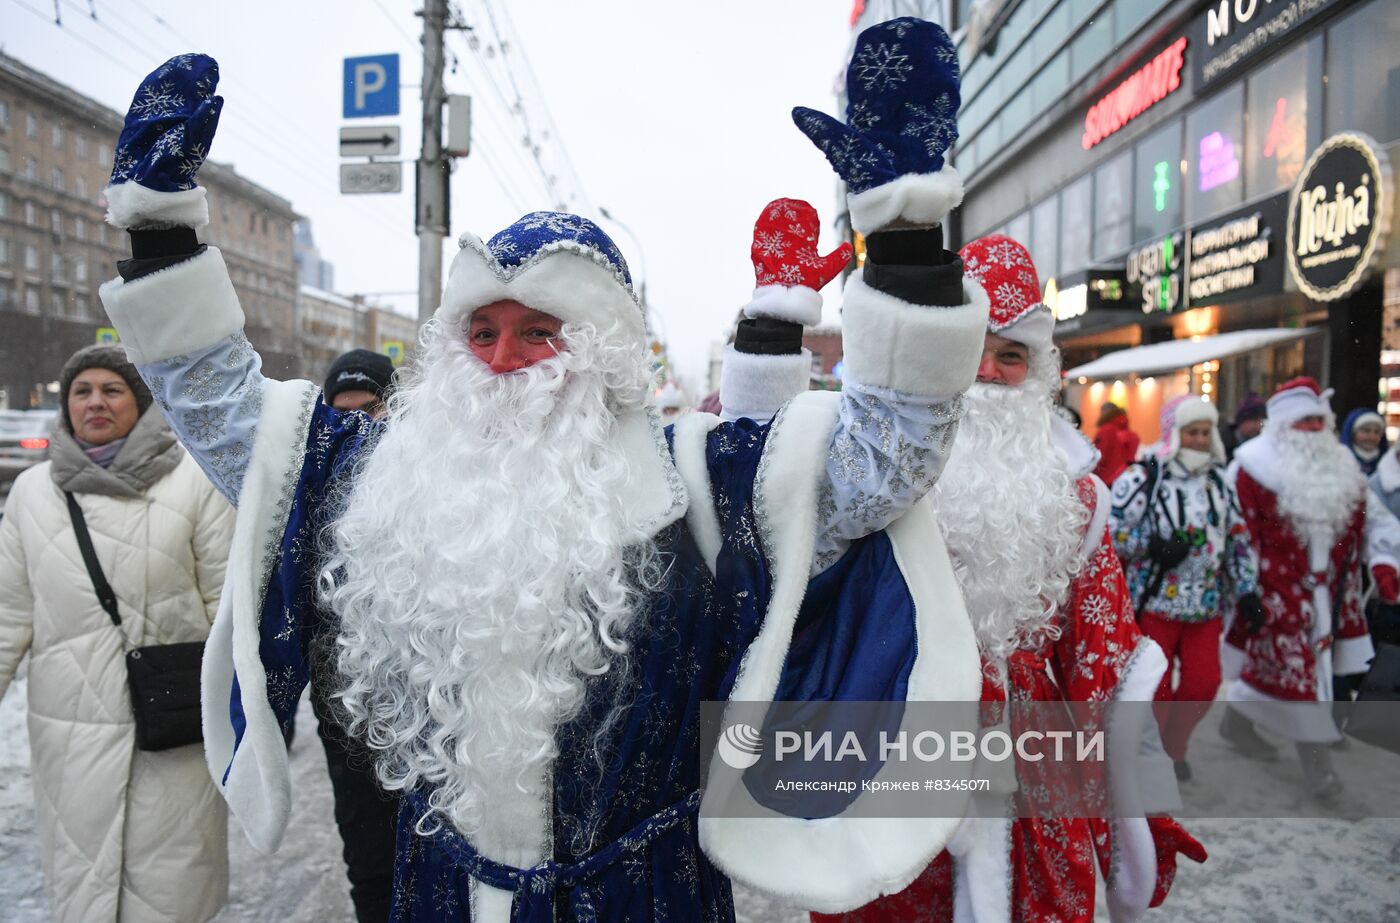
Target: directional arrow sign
<point x="382" y="141"/>
<point x="360" y="178"/>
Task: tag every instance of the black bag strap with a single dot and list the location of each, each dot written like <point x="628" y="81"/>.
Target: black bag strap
<point x="94" y="569"/>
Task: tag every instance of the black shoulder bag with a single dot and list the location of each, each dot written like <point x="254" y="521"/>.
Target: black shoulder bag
<point x="163" y="678"/>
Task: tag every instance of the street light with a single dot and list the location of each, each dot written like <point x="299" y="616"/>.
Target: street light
<point x="642" y="286"/>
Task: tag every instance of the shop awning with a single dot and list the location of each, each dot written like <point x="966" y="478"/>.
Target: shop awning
<point x="1156" y="358"/>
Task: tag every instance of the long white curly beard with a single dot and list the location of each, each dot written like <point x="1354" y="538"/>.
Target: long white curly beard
<point x="1011" y="517"/>
<point x="482" y="571"/>
<point x="1320" y="484"/>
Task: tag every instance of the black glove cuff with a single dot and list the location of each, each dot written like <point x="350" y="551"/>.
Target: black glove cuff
<point x="913" y="266"/>
<point x="767" y="336"/>
<point x="147" y="245"/>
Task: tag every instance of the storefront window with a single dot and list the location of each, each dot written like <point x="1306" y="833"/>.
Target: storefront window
<point x="1363" y="72"/>
<point x="1214" y="151"/>
<point x="1045" y="237"/>
<point x="1113" y="212"/>
<point x="1050" y="83"/>
<point x="1157" y="183"/>
<point x="1092" y="45"/>
<point x="1277" y="142"/>
<point x="1019" y="229"/>
<point x="1075" y="224"/>
<point x="1129" y="14"/>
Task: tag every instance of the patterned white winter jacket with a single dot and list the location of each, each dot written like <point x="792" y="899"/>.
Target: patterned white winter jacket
<point x="125" y="835"/>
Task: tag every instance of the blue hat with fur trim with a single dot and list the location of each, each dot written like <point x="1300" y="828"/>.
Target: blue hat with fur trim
<point x="554" y="262"/>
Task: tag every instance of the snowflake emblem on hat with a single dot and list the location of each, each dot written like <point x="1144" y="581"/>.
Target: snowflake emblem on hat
<point x="1005" y="271"/>
<point x="542" y="232"/>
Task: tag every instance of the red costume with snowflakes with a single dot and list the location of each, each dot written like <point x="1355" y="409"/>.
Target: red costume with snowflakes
<point x="1082" y="646"/>
<point x="1311" y="553"/>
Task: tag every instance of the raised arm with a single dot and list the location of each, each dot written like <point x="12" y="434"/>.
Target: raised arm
<point x="174" y="305"/>
<point x="912" y="329"/>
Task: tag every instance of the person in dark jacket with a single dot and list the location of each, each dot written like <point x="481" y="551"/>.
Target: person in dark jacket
<point x="360" y="380"/>
<point x="1364" y="433"/>
<point x="1249" y="420"/>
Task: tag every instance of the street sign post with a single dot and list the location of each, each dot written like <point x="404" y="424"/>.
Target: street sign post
<point x="369" y="141"/>
<point x="371" y="86"/>
<point x="364" y="178"/>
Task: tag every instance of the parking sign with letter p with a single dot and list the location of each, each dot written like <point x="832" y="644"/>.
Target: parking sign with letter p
<point x="371" y="86"/>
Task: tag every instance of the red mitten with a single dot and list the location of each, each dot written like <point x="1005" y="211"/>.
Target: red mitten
<point x="1171" y="838"/>
<point x="788" y="271"/>
<point x="1387" y="583"/>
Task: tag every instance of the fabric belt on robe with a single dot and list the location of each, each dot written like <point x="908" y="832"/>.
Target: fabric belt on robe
<point x="535" y="888"/>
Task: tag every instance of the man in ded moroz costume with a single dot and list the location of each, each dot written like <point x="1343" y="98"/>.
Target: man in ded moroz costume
<point x="1316" y="525"/>
<point x="1025" y="522"/>
<point x="529" y="586"/>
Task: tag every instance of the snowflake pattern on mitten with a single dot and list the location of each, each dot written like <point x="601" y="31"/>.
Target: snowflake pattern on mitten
<point x="902" y="90"/>
<point x="785" y="247"/>
<point x="170" y="125"/>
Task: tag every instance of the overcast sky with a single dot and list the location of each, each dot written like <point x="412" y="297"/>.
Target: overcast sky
<point x="674" y="116"/>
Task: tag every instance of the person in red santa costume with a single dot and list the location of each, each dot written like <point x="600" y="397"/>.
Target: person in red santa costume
<point x="1315" y="525"/>
<point x="1025" y="523"/>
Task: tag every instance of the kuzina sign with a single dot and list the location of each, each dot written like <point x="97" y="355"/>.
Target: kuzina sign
<point x="1134" y="96"/>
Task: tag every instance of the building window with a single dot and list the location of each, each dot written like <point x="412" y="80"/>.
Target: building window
<point x="31" y="258"/>
<point x="4" y="252"/>
<point x="31" y="214"/>
<point x="56" y="300"/>
<point x="1363" y="72"/>
<point x="1077" y="203"/>
<point x="55" y="221"/>
<point x="31" y="169"/>
<point x="80" y="146"/>
<point x="4" y="115"/>
<point x="59" y="270"/>
<point x="104" y="155"/>
<point x="31" y="125"/>
<point x="1277" y="141"/>
<point x="80" y="187"/>
<point x="1214" y="151"/>
<point x="4" y="205"/>
<point x="57" y="179"/>
<point x="4" y="160"/>
<point x="5" y="293"/>
<point x="79" y="227"/>
<point x="1113" y="207"/>
<point x="80" y="271"/>
<point x="31" y="299"/>
<point x="1157" y="183"/>
<point x="57" y="135"/>
<point x="1086" y="51"/>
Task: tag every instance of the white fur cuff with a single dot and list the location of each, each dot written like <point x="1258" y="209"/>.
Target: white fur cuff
<point x="131" y="205"/>
<point x="930" y="351"/>
<point x="756" y="386"/>
<point x="1351" y="656"/>
<point x="174" y="311"/>
<point x="916" y="198"/>
<point x="796" y="304"/>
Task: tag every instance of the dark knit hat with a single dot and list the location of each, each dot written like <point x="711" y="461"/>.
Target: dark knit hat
<point x="360" y="370"/>
<point x="1251" y="407"/>
<point x="102" y="356"/>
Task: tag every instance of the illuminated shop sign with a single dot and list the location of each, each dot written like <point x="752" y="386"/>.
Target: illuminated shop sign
<point x="1091" y="292"/>
<point x="1134" y="96"/>
<point x="1156" y="270"/>
<point x="1228" y="33"/>
<point x="1237" y="256"/>
<point x="1218" y="163"/>
<point x="1339" y="216"/>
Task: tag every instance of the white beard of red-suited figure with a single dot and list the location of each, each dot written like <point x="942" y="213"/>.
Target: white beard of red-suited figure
<point x="1013" y="529"/>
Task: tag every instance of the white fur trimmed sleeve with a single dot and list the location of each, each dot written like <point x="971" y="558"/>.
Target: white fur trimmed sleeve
<point x="1382" y="533"/>
<point x="183" y="329"/>
<point x="907" y="367"/>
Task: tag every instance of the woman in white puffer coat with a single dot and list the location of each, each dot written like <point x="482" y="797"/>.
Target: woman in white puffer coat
<point x="125" y="834"/>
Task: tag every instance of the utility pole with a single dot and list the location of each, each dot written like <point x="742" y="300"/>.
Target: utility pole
<point x="432" y="204"/>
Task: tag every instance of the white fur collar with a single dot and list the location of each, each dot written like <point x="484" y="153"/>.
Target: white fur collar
<point x="1388" y="472"/>
<point x="1078" y="451"/>
<point x="1259" y="459"/>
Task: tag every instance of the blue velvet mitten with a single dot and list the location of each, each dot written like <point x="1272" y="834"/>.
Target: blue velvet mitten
<point x="901" y="118"/>
<point x="163" y="143"/>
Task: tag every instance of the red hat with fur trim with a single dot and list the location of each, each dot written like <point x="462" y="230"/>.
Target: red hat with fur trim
<point x="1004" y="269"/>
<point x="1298" y="398"/>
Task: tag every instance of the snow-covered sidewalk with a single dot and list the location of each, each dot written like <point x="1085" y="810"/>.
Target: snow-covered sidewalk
<point x="1277" y="870"/>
